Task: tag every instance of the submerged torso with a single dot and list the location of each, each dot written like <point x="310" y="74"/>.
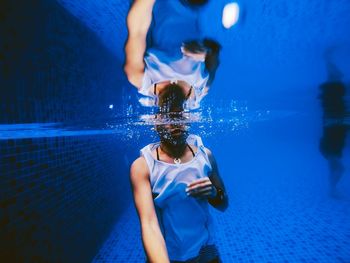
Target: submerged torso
<point x="185" y="221"/>
<point x="172" y="25"/>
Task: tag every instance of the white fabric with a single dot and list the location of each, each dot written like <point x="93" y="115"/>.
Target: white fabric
<point x="185" y="221"/>
<point x="160" y="67"/>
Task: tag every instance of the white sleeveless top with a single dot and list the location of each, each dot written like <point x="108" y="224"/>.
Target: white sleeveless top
<point x="159" y="67"/>
<point x="185" y="221"/>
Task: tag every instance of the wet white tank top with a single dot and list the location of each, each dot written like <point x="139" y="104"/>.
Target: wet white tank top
<point x="185" y="221"/>
<point x="160" y="67"/>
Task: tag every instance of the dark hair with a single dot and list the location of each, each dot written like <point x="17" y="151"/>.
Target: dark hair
<point x="171" y="99"/>
<point x="194" y="3"/>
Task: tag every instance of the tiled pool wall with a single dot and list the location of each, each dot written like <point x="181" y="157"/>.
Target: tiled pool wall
<point x="59" y="196"/>
<point x="53" y="68"/>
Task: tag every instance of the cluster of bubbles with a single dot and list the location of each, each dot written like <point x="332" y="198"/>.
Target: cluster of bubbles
<point x="135" y="123"/>
<point x="214" y="118"/>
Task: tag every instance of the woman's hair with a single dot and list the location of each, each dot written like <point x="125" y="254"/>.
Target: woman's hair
<point x="171" y="99"/>
<point x="194" y="3"/>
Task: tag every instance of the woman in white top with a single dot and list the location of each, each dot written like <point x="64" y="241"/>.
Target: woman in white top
<point x="174" y="55"/>
<point x="173" y="183"/>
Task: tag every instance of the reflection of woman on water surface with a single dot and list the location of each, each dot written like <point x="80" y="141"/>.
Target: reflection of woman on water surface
<point x="173" y="183"/>
<point x="176" y="51"/>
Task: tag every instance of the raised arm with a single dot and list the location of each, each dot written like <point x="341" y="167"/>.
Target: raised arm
<point x="220" y="204"/>
<point x="138" y="21"/>
<point x="212" y="60"/>
<point x="152" y="238"/>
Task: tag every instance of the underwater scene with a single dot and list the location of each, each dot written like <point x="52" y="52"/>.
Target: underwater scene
<point x="175" y="131"/>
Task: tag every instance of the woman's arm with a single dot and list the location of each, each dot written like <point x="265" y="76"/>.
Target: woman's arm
<point x="138" y="21"/>
<point x="211" y="188"/>
<point x="152" y="238"/>
<point x="217" y="202"/>
<point x="212" y="61"/>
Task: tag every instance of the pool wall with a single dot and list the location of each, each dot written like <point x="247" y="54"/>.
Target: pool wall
<point x="54" y="68"/>
<point x="58" y="195"/>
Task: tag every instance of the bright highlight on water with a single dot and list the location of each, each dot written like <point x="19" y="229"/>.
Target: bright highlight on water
<point x="230" y="15"/>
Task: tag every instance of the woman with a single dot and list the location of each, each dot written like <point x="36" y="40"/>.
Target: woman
<point x="173" y="183"/>
<point x="178" y="53"/>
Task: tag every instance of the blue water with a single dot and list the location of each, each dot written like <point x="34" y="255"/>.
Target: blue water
<point x="276" y="179"/>
<point x="229" y="116"/>
<point x="280" y="209"/>
<point x="71" y="125"/>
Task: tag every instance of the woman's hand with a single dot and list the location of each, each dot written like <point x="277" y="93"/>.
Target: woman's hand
<point x="201" y="188"/>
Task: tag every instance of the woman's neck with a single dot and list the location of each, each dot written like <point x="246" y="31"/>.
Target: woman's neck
<point x="174" y="151"/>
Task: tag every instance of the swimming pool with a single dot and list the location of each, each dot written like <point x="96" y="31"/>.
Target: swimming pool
<point x="70" y="126"/>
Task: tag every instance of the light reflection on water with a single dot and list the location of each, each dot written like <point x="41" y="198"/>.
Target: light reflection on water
<point x="209" y="121"/>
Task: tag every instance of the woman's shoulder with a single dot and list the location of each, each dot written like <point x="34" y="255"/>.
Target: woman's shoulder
<point x="195" y="140"/>
<point x="149" y="147"/>
<point x="139" y="164"/>
<point x="139" y="170"/>
<point x="208" y="151"/>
